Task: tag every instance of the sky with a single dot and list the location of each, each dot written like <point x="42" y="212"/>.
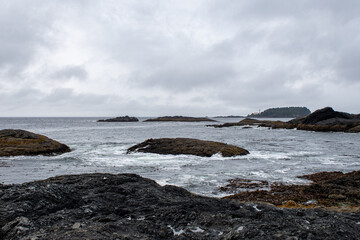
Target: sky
<point x="165" y="57"/>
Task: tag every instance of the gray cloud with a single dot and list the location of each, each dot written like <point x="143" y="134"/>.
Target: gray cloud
<point x="154" y="57"/>
<point x="22" y="27"/>
<point x="70" y="72"/>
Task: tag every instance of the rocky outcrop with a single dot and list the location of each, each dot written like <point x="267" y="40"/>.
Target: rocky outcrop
<point x="127" y="206"/>
<point x="322" y="120"/>
<point x="332" y="190"/>
<point x="120" y="119"/>
<point x="255" y="122"/>
<point x="179" y="119"/>
<point x="20" y="142"/>
<point x="191" y="146"/>
<point x="328" y="120"/>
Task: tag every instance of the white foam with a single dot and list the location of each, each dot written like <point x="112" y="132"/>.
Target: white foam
<point x="176" y="233"/>
<point x="255" y="207"/>
<point x="239" y="229"/>
<point x="197" y="230"/>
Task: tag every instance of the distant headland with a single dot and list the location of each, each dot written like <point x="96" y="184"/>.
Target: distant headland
<point x="282" y="112"/>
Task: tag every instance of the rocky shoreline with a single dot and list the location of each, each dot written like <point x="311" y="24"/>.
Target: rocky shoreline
<point x="322" y="120"/>
<point x="127" y="206"/>
<point x="329" y="190"/>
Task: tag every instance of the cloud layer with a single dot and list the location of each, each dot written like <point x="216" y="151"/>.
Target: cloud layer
<point x="148" y="58"/>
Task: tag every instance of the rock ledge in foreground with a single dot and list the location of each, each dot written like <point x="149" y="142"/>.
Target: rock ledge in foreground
<point x="331" y="190"/>
<point x="191" y="146"/>
<point x="127" y="206"/>
<point x="15" y="142"/>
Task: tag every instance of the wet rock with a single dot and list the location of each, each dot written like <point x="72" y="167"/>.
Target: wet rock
<point x="254" y="122"/>
<point x="120" y="119"/>
<point x="179" y="119"/>
<point x="191" y="146"/>
<point x="354" y="129"/>
<point x="20" y="142"/>
<point x="332" y="190"/>
<point x="127" y="206"/>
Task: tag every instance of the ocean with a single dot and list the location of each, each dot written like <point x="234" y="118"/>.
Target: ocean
<point x="276" y="155"/>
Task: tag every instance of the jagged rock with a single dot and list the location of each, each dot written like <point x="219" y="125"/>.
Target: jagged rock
<point x="178" y="146"/>
<point x="19" y="142"/>
<point x="127" y="206"/>
<point x="324" y="114"/>
<point x="179" y="119"/>
<point x="120" y="119"/>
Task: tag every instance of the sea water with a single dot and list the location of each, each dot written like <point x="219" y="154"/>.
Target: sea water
<point x="276" y="155"/>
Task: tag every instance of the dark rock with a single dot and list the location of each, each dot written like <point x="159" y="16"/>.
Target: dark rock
<point x="179" y="119"/>
<point x="178" y="146"/>
<point x="332" y="190"/>
<point x="255" y="122"/>
<point x="120" y="119"/>
<point x="324" y="114"/>
<point x="127" y="206"/>
<point x="230" y="116"/>
<point x="322" y="120"/>
<point x="20" y="142"/>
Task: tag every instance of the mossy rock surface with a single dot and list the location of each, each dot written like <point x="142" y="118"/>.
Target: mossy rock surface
<point x="331" y="190"/>
<point x="15" y="142"/>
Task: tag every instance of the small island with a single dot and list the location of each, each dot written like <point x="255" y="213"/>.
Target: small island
<point x="120" y="119"/>
<point x="282" y="112"/>
<point x="179" y="119"/>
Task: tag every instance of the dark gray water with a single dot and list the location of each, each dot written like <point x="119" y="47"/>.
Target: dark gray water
<point x="275" y="155"/>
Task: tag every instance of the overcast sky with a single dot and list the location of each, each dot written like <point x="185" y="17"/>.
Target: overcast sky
<point x="197" y="58"/>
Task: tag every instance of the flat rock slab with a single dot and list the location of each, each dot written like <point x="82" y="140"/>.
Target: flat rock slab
<point x="120" y="119"/>
<point x="127" y="206"/>
<point x="191" y="146"/>
<point x="20" y="142"/>
<point x="179" y="119"/>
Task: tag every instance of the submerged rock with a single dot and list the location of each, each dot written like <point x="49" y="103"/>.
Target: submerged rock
<point x="179" y="119"/>
<point x="127" y="206"/>
<point x="120" y="119"/>
<point x="191" y="146"/>
<point x="20" y="142"/>
<point x="334" y="190"/>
